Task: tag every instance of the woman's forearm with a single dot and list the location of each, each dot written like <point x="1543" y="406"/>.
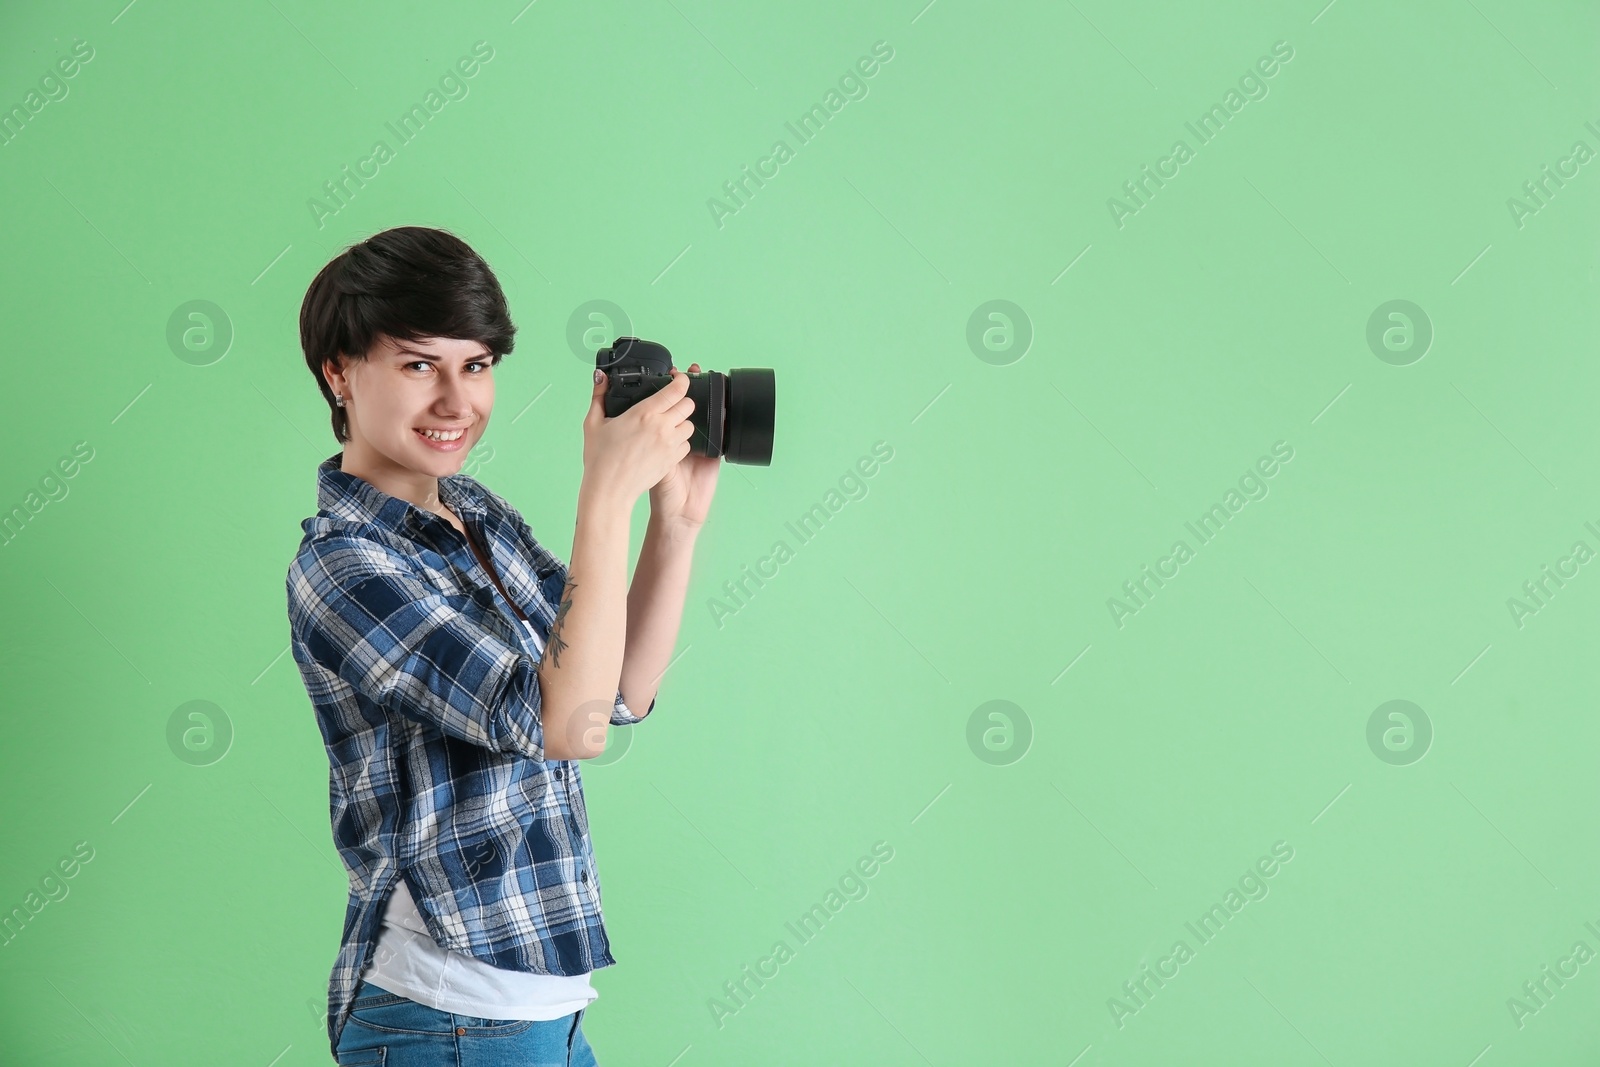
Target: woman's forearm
<point x="655" y="610"/>
<point x="584" y="651"/>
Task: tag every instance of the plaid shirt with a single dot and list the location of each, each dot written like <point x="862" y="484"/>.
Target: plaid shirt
<point x="425" y="692"/>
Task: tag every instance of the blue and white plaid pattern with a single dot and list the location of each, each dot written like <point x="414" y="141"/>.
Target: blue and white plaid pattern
<point x="425" y="693"/>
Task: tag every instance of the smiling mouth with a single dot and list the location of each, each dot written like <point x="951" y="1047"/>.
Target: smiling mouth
<point x="441" y="434"/>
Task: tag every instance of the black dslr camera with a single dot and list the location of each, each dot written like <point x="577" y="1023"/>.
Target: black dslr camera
<point x="732" y="414"/>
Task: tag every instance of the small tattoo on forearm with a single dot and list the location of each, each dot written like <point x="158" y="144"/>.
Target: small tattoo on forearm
<point x="555" y="645"/>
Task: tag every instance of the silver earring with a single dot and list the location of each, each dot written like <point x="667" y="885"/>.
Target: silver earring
<point x="338" y="398"/>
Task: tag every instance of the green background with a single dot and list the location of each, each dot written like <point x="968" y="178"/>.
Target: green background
<point x="1139" y="769"/>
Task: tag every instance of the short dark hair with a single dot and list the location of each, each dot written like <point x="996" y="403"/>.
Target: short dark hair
<point x="405" y="283"/>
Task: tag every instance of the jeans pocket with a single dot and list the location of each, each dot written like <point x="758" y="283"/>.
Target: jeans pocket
<point x="365" y="1057"/>
<point x="391" y="1013"/>
<point x="481" y="1027"/>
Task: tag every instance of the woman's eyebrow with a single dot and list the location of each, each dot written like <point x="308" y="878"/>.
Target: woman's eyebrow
<point x="433" y="357"/>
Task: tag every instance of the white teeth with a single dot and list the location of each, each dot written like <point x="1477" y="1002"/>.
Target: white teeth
<point x="442" y="435"/>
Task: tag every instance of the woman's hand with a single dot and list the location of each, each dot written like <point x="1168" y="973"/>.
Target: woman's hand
<point x="624" y="456"/>
<point x="681" y="499"/>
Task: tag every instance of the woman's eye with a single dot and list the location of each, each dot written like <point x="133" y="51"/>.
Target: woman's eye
<point x="482" y="364"/>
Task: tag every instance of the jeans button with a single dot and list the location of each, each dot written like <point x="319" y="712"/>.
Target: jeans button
<point x="461" y="1031"/>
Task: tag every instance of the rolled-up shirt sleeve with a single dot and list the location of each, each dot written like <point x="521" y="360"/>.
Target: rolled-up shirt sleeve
<point x="622" y="715"/>
<point x="360" y="611"/>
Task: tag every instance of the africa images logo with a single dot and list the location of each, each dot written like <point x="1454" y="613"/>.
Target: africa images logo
<point x="738" y="592"/>
<point x="852" y="86"/>
<point x="1252" y="86"/>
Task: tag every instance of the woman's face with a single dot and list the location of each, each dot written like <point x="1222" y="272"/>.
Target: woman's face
<point x="403" y="388"/>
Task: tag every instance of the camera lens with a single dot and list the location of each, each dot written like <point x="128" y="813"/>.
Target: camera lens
<point x="751" y="406"/>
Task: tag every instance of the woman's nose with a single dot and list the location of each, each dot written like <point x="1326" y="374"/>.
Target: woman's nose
<point x="453" y="400"/>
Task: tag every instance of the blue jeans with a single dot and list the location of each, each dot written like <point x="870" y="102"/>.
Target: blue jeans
<point x="385" y="1029"/>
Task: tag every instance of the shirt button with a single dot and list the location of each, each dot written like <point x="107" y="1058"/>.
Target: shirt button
<point x="585" y="876"/>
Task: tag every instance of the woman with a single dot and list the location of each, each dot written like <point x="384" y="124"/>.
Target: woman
<point x="459" y="671"/>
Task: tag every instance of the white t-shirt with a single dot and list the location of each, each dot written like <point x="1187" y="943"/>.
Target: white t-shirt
<point x="409" y="962"/>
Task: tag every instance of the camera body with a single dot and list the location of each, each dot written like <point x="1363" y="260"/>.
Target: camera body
<point x="733" y="412"/>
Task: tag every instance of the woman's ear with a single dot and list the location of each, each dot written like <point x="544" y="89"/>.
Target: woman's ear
<point x="332" y="373"/>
